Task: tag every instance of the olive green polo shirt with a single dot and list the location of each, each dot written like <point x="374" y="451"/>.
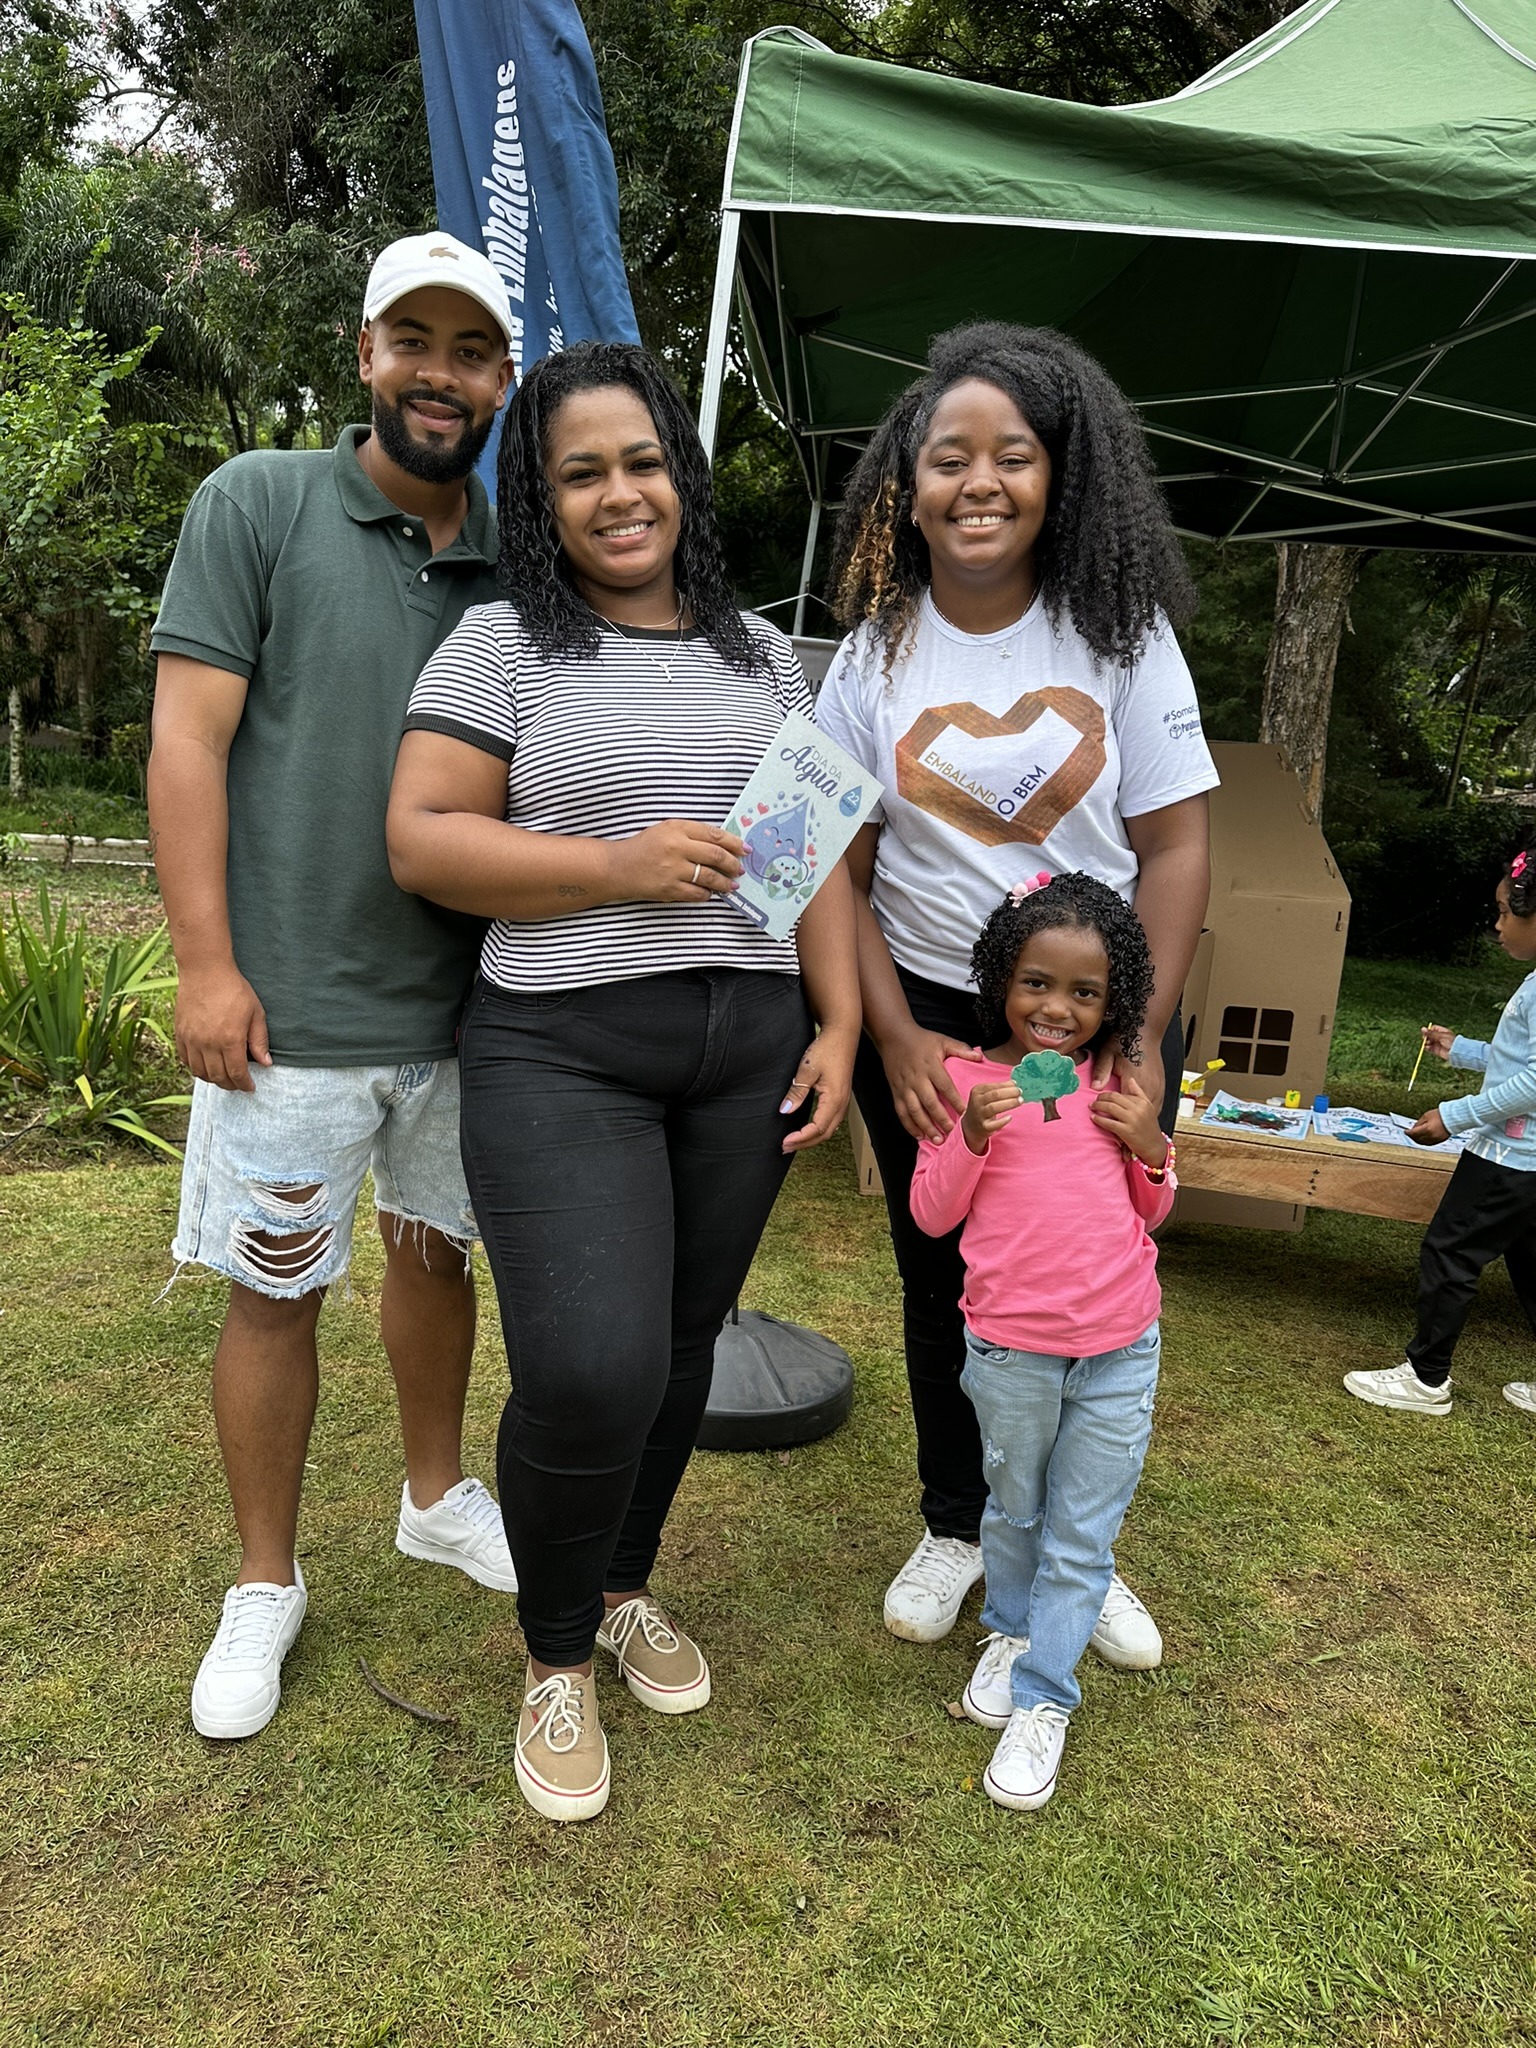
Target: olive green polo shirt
<point x="294" y="570"/>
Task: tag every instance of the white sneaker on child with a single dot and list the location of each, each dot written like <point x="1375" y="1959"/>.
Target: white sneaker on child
<point x="1125" y="1634"/>
<point x="1399" y="1386"/>
<point x="988" y="1696"/>
<point x="1022" y="1773"/>
<point x="1521" y="1394"/>
<point x="923" y="1601"/>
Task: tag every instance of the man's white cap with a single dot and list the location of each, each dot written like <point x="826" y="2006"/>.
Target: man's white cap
<point x="419" y="260"/>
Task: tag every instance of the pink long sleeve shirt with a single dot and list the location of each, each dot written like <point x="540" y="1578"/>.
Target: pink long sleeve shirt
<point x="1057" y="1253"/>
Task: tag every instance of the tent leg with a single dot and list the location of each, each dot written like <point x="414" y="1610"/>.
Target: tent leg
<point x="719" y="332"/>
<point x="806" y="565"/>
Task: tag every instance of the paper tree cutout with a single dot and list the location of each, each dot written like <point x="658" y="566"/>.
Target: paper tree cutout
<point x="1044" y="1077"/>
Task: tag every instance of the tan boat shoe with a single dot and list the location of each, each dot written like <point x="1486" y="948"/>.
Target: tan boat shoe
<point x="658" y="1663"/>
<point x="562" y="1753"/>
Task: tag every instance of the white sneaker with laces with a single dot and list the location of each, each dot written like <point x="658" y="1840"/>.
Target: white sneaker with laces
<point x="1022" y="1773"/>
<point x="988" y="1696"/>
<point x="1521" y="1394"/>
<point x="923" y="1601"/>
<point x="1125" y="1634"/>
<point x="1399" y="1386"/>
<point x="238" y="1683"/>
<point x="464" y="1528"/>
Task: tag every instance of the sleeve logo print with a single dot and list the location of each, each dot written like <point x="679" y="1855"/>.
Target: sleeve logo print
<point x="1005" y="781"/>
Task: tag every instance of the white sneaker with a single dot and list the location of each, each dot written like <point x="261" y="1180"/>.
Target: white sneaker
<point x="1125" y="1635"/>
<point x="1521" y="1394"/>
<point x="988" y="1696"/>
<point x="464" y="1528"/>
<point x="1399" y="1386"/>
<point x="238" y="1683"/>
<point x="923" y="1601"/>
<point x="1022" y="1773"/>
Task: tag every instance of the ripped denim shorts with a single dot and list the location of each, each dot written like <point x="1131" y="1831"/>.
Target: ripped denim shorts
<point x="271" y="1179"/>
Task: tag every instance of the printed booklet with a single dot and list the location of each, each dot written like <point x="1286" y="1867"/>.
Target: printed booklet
<point x="796" y="819"/>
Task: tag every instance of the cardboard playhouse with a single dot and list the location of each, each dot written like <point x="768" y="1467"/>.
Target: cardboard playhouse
<point x="1263" y="988"/>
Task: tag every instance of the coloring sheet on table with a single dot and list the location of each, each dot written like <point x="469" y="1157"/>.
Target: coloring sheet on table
<point x="1229" y="1113"/>
<point x="1446" y="1145"/>
<point x="1370" y="1125"/>
<point x="796" y="819"/>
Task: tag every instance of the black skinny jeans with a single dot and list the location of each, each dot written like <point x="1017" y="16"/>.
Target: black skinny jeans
<point x="622" y="1146"/>
<point x="933" y="1274"/>
<point x="1487" y="1212"/>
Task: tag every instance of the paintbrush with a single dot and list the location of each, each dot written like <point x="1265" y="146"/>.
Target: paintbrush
<point x="1423" y="1041"/>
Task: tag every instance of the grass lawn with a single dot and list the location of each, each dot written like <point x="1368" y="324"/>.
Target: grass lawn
<point x="1314" y="1825"/>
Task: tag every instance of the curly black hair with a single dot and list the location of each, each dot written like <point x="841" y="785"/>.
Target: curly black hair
<point x="532" y="567"/>
<point x="1107" y="556"/>
<point x="1522" y="886"/>
<point x="1077" y="900"/>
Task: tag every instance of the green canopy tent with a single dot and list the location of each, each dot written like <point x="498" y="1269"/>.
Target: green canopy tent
<point x="1313" y="270"/>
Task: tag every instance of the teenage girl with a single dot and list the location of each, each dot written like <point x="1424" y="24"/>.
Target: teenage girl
<point x="1007" y="573"/>
<point x="1488" y="1210"/>
<point x="1056" y="1200"/>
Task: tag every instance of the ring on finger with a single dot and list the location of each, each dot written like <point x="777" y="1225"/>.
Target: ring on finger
<point x="696" y="866"/>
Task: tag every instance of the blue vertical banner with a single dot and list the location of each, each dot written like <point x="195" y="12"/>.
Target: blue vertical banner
<point x="523" y="168"/>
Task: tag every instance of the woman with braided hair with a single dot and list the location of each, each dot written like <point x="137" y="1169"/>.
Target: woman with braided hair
<point x="1009" y="582"/>
<point x="639" y="1059"/>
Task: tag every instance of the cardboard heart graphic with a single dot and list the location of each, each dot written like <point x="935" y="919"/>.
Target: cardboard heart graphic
<point x="1024" y="806"/>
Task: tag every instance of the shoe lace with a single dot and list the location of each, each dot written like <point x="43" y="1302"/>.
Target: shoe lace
<point x="476" y="1507"/>
<point x="1120" y="1600"/>
<point x="997" y="1655"/>
<point x="640" y="1615"/>
<point x="249" y="1625"/>
<point x="561" y="1727"/>
<point x="1031" y="1729"/>
<point x="938" y="1564"/>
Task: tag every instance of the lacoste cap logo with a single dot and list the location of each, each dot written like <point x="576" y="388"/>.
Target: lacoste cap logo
<point x="452" y="254"/>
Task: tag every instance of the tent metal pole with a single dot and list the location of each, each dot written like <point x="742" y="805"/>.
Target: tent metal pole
<point x="719" y="332"/>
<point x="813" y="527"/>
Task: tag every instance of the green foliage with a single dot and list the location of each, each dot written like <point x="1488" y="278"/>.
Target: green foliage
<point x="80" y="1037"/>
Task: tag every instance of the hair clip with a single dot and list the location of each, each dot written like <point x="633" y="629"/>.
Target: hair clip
<point x="1020" y="890"/>
<point x="1517" y="866"/>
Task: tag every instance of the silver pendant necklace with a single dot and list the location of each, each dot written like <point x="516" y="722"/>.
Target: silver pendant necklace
<point x="1002" y="649"/>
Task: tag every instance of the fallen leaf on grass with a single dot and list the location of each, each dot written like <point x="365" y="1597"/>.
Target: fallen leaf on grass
<point x="955" y="1711"/>
<point x="1328" y="1657"/>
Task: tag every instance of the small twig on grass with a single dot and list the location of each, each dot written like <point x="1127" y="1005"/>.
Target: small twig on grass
<point x="405" y="1706"/>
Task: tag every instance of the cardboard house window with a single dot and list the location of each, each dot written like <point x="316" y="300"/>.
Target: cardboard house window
<point x="1255" y="1041"/>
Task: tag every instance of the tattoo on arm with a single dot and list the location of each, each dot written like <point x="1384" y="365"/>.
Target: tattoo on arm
<point x="570" y="889"/>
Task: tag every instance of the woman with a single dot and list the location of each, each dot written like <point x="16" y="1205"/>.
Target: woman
<point x="635" y="1044"/>
<point x="1008" y="573"/>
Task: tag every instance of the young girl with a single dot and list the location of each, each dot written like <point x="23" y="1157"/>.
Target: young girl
<point x="1488" y="1210"/>
<point x="1010" y="585"/>
<point x="1061" y="1298"/>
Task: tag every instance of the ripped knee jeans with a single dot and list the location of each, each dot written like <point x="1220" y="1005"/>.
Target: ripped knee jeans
<point x="1063" y="1443"/>
<point x="271" y="1178"/>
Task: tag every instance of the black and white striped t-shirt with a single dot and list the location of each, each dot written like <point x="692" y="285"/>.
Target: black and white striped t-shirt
<point x="600" y="748"/>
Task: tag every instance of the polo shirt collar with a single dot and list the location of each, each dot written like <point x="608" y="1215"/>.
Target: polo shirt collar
<point x="363" y="501"/>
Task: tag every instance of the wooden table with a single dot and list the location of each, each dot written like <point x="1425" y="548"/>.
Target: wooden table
<point x="1323" y="1173"/>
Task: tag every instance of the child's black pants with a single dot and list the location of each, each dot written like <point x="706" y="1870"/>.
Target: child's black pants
<point x="1487" y="1212"/>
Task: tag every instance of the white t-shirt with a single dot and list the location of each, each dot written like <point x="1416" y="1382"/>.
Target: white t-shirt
<point x="1005" y="754"/>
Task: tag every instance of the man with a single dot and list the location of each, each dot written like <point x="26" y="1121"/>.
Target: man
<point x="318" y="1004"/>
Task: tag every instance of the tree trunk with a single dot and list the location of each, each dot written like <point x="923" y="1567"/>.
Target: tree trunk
<point x="14" y="710"/>
<point x="1311" y="612"/>
<point x="1474" y="684"/>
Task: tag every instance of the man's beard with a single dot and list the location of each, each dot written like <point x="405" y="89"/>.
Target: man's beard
<point x="429" y="463"/>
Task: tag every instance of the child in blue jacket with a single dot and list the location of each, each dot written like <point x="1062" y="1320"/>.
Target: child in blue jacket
<point x="1488" y="1210"/>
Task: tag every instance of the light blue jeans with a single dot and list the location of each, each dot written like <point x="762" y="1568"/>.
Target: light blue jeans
<point x="1063" y="1440"/>
<point x="271" y="1178"/>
